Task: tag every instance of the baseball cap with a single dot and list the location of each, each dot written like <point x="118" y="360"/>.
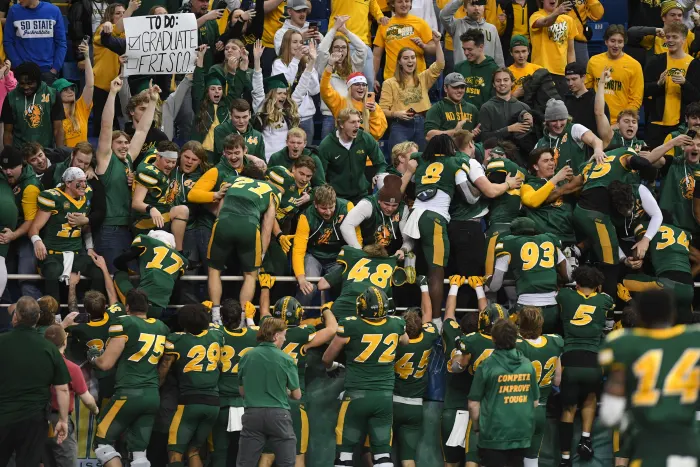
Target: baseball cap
<point x="478" y="2"/>
<point x="297" y="5"/>
<point x="61" y="83"/>
<point x="454" y="80"/>
<point x="10" y="157"/>
<point x="518" y="40"/>
<point x="575" y="68"/>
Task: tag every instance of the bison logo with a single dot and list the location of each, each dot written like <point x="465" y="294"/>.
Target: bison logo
<point x="33" y="116"/>
<point x="687" y="185"/>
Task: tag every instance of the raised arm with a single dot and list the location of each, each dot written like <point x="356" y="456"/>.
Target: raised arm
<point x="602" y="122"/>
<point x="144" y="125"/>
<point x="104" y="143"/>
<point x="89" y="87"/>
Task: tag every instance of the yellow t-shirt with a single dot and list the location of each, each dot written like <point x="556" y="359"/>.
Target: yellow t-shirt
<point x="659" y="43"/>
<point x="106" y="66"/>
<point x="520" y="73"/>
<point x="520" y="26"/>
<point x="82" y="113"/>
<point x="273" y="21"/>
<point x="550" y="45"/>
<point x="626" y="88"/>
<point x="396" y="35"/>
<point x="592" y="10"/>
<point x="491" y="11"/>
<point x="672" y="109"/>
<point x="358" y="11"/>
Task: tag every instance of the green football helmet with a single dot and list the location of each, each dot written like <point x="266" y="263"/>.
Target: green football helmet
<point x="372" y="303"/>
<point x="490" y="315"/>
<point x="288" y="309"/>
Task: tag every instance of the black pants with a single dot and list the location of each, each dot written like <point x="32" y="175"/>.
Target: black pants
<point x="26" y="439"/>
<point x="467" y="256"/>
<point x="498" y="458"/>
<point x="656" y="134"/>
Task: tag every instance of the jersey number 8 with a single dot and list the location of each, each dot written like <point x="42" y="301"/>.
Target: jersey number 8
<point x="432" y="173"/>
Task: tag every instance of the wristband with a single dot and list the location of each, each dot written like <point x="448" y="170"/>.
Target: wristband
<point x="454" y="290"/>
<point x="35" y="238"/>
<point x="148" y="209"/>
<point x="277" y="237"/>
<point x="89" y="245"/>
<point x="480" y="292"/>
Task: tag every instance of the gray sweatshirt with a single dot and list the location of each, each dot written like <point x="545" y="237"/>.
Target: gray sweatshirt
<point x="457" y="27"/>
<point x="495" y="114"/>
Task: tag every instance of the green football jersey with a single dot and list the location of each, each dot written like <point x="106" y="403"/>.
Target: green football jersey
<point x="297" y="337"/>
<point x="412" y="363"/>
<point x="457" y="384"/>
<point x="9" y="212"/>
<point x="162" y="189"/>
<point x="676" y="194"/>
<point x="439" y="174"/>
<point x="506" y="207"/>
<point x="82" y="336"/>
<point x="543" y="352"/>
<point x="160" y="266"/>
<point x="145" y="342"/>
<point x="480" y="347"/>
<point x="236" y="344"/>
<point x="583" y="318"/>
<point x="662" y="374"/>
<point x="370" y="352"/>
<point x="556" y="217"/>
<point x="532" y="259"/>
<point x="566" y="149"/>
<point x="196" y="361"/>
<point x="283" y="179"/>
<point x="247" y="199"/>
<point x="359" y="272"/>
<point x="668" y="249"/>
<point x="57" y="234"/>
<point x="600" y="175"/>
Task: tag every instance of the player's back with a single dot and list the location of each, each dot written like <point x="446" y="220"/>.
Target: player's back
<point x="93" y="334"/>
<point x="296" y="338"/>
<point x="662" y="375"/>
<point x="543" y="352"/>
<point x="160" y="265"/>
<point x="371" y="351"/>
<point x="533" y="261"/>
<point x="247" y="199"/>
<point x="506" y="207"/>
<point x="480" y="346"/>
<point x="601" y="175"/>
<point x="583" y="318"/>
<point x="437" y="174"/>
<point x="145" y="343"/>
<point x="669" y="251"/>
<point x="197" y="364"/>
<point x="236" y="344"/>
<point x="412" y="363"/>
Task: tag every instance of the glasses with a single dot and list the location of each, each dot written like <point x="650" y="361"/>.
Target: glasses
<point x="361" y="85"/>
<point x="340" y="47"/>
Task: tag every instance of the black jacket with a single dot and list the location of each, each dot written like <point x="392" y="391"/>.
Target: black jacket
<point x="690" y="91"/>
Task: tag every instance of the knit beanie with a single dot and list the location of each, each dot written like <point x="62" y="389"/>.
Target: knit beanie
<point x="391" y="191"/>
<point x="555" y="110"/>
<point x="669" y="5"/>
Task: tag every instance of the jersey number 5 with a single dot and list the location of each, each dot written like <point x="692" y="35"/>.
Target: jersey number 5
<point x="583" y="315"/>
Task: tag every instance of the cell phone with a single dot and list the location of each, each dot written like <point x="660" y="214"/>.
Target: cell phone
<point x="568" y="163"/>
<point x="86" y="40"/>
<point x="370" y="97"/>
<point x="691" y="133"/>
<point x="313" y="25"/>
<point x="411" y="111"/>
<point x="646" y="148"/>
<point x="82" y="318"/>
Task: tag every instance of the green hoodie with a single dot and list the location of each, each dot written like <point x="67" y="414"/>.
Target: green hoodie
<point x="253" y="141"/>
<point x="505" y="383"/>
<point x="9" y="212"/>
<point x="26" y="178"/>
<point x="345" y="169"/>
<point x="444" y="115"/>
<point x="282" y="158"/>
<point x="479" y="78"/>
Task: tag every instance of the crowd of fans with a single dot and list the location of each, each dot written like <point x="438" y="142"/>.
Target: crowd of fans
<point x="475" y="140"/>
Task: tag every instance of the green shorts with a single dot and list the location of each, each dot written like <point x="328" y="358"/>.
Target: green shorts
<point x="600" y="231"/>
<point x="550" y="313"/>
<point x="433" y="238"/>
<point x="621" y="445"/>
<point x="235" y="236"/>
<point x="342" y="309"/>
<point x="123" y="285"/>
<point x="492" y="234"/>
<point x="408" y="421"/>
<point x="191" y="425"/>
<point x="220" y="438"/>
<point x="130" y="411"/>
<point x="365" y="412"/>
<point x="457" y="454"/>
<point x="533" y="452"/>
<point x="578" y="382"/>
<point x="276" y="261"/>
<point x="657" y="447"/>
<point x="52" y="266"/>
<point x="145" y="224"/>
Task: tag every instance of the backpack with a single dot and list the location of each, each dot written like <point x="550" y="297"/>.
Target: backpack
<point x="539" y="88"/>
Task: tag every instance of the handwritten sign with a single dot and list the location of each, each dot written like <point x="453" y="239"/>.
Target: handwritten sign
<point x="160" y="44"/>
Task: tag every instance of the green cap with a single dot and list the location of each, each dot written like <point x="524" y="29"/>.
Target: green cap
<point x="523" y="226"/>
<point x="275" y="82"/>
<point x="519" y="40"/>
<point x="214" y="78"/>
<point x="61" y="83"/>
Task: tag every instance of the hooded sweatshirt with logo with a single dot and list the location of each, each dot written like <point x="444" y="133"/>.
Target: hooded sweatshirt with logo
<point x="445" y="115"/>
<point x="505" y="383"/>
<point x="458" y="26"/>
<point x="479" y="78"/>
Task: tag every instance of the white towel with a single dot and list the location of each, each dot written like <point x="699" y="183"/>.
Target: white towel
<point x="411" y="227"/>
<point x="68" y="257"/>
<point x="235" y="419"/>
<point x="459" y="429"/>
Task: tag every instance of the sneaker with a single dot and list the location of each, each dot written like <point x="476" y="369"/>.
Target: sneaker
<point x="585" y="449"/>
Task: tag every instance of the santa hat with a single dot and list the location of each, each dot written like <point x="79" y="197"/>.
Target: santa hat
<point x="356" y="78"/>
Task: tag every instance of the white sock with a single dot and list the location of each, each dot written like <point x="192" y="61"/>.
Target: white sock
<point x="216" y="314"/>
<point x="527" y="462"/>
<point x="3" y="275"/>
<point x="586" y="434"/>
<point x="139" y="454"/>
<point x="423" y="288"/>
<point x="566" y="456"/>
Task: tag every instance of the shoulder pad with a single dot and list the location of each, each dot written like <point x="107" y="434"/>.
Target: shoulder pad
<point x="617" y="333"/>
